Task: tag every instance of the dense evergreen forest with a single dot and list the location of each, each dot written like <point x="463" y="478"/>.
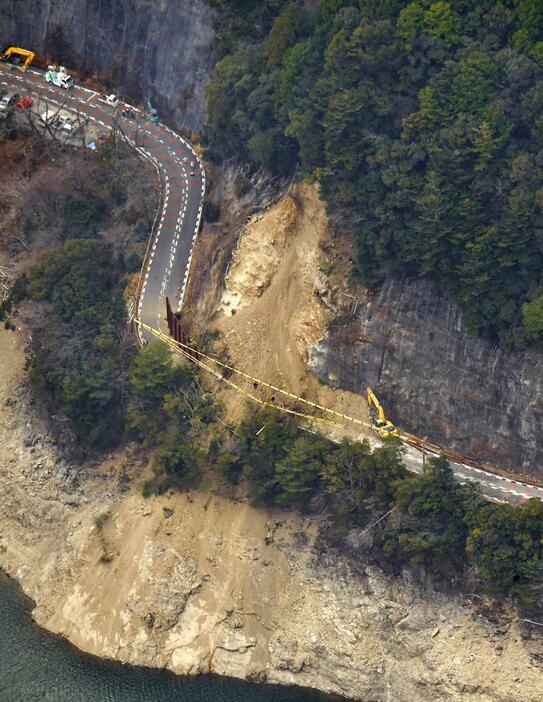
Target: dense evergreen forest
<point x="422" y="121"/>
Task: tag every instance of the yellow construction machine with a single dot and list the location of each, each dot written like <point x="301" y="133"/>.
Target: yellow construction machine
<point x="379" y="422"/>
<point x="14" y="51"/>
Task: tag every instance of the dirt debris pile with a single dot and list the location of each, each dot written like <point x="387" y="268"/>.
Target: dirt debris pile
<point x="191" y="582"/>
<point x="277" y="290"/>
<point x="262" y="246"/>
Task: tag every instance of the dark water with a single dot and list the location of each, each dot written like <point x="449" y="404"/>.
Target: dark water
<point x="38" y="667"/>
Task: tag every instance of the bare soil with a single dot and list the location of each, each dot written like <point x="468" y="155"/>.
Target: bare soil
<point x="278" y="298"/>
<point x="189" y="581"/>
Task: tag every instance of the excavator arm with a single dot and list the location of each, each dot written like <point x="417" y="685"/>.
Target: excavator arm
<point x="14" y="50"/>
<point x="379" y="422"/>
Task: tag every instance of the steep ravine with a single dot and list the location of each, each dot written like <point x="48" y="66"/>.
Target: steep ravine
<point x="411" y="345"/>
<point x="160" y="50"/>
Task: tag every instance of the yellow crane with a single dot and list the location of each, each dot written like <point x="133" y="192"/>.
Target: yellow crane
<point x="29" y="55"/>
<point x="379" y="422"/>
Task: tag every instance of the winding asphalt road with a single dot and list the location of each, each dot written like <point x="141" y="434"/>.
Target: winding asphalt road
<point x="495" y="487"/>
<point x="170" y="249"/>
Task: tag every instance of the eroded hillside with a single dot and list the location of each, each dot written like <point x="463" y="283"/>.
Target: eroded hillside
<point x="188" y="582"/>
<point x="276" y="300"/>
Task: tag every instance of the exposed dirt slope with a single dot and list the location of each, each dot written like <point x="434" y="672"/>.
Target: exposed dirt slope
<point x="274" y="306"/>
<point x="188" y="582"/>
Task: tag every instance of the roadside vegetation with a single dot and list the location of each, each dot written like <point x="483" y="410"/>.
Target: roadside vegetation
<point x="371" y="506"/>
<point x="422" y="123"/>
<point x="75" y="226"/>
<point x="90" y="219"/>
<point x="370" y="502"/>
<point x="376" y="506"/>
<point x="76" y="360"/>
<point x="169" y="411"/>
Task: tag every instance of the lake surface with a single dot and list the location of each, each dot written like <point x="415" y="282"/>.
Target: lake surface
<point x="38" y="667"/>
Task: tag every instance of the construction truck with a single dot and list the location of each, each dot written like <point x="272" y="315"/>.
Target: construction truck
<point x="59" y="76"/>
<point x="379" y="422"/>
<point x="14" y="51"/>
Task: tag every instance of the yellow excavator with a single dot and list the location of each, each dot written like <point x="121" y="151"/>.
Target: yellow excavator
<point x="14" y="51"/>
<point x="379" y="422"/>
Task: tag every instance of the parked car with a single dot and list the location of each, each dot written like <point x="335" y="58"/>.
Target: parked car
<point x="48" y="116"/>
<point x="56" y="120"/>
<point x="10" y="98"/>
<point x="25" y="103"/>
<point x="65" y="123"/>
<point x="111" y="100"/>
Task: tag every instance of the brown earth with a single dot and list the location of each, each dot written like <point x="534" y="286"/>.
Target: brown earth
<point x="277" y="300"/>
<point x="190" y="583"/>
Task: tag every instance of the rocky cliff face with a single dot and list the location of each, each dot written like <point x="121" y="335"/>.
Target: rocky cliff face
<point x="157" y="49"/>
<point x="435" y="379"/>
<point x="190" y="583"/>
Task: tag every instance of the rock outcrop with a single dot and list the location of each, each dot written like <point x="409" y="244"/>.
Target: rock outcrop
<point x="436" y="379"/>
<point x="190" y="583"/>
<point x="156" y="50"/>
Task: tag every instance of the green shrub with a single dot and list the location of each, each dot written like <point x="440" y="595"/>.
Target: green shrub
<point x="211" y="211"/>
<point x="133" y="262"/>
<point x="532" y="315"/>
<point x="76" y="360"/>
<point x="83" y="216"/>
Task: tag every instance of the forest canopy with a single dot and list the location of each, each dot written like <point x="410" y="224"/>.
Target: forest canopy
<point x="422" y="122"/>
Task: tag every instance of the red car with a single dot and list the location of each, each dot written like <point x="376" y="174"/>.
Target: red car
<point x="25" y="103"/>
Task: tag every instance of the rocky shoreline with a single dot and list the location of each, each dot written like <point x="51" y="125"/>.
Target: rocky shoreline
<point x="191" y="583"/>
